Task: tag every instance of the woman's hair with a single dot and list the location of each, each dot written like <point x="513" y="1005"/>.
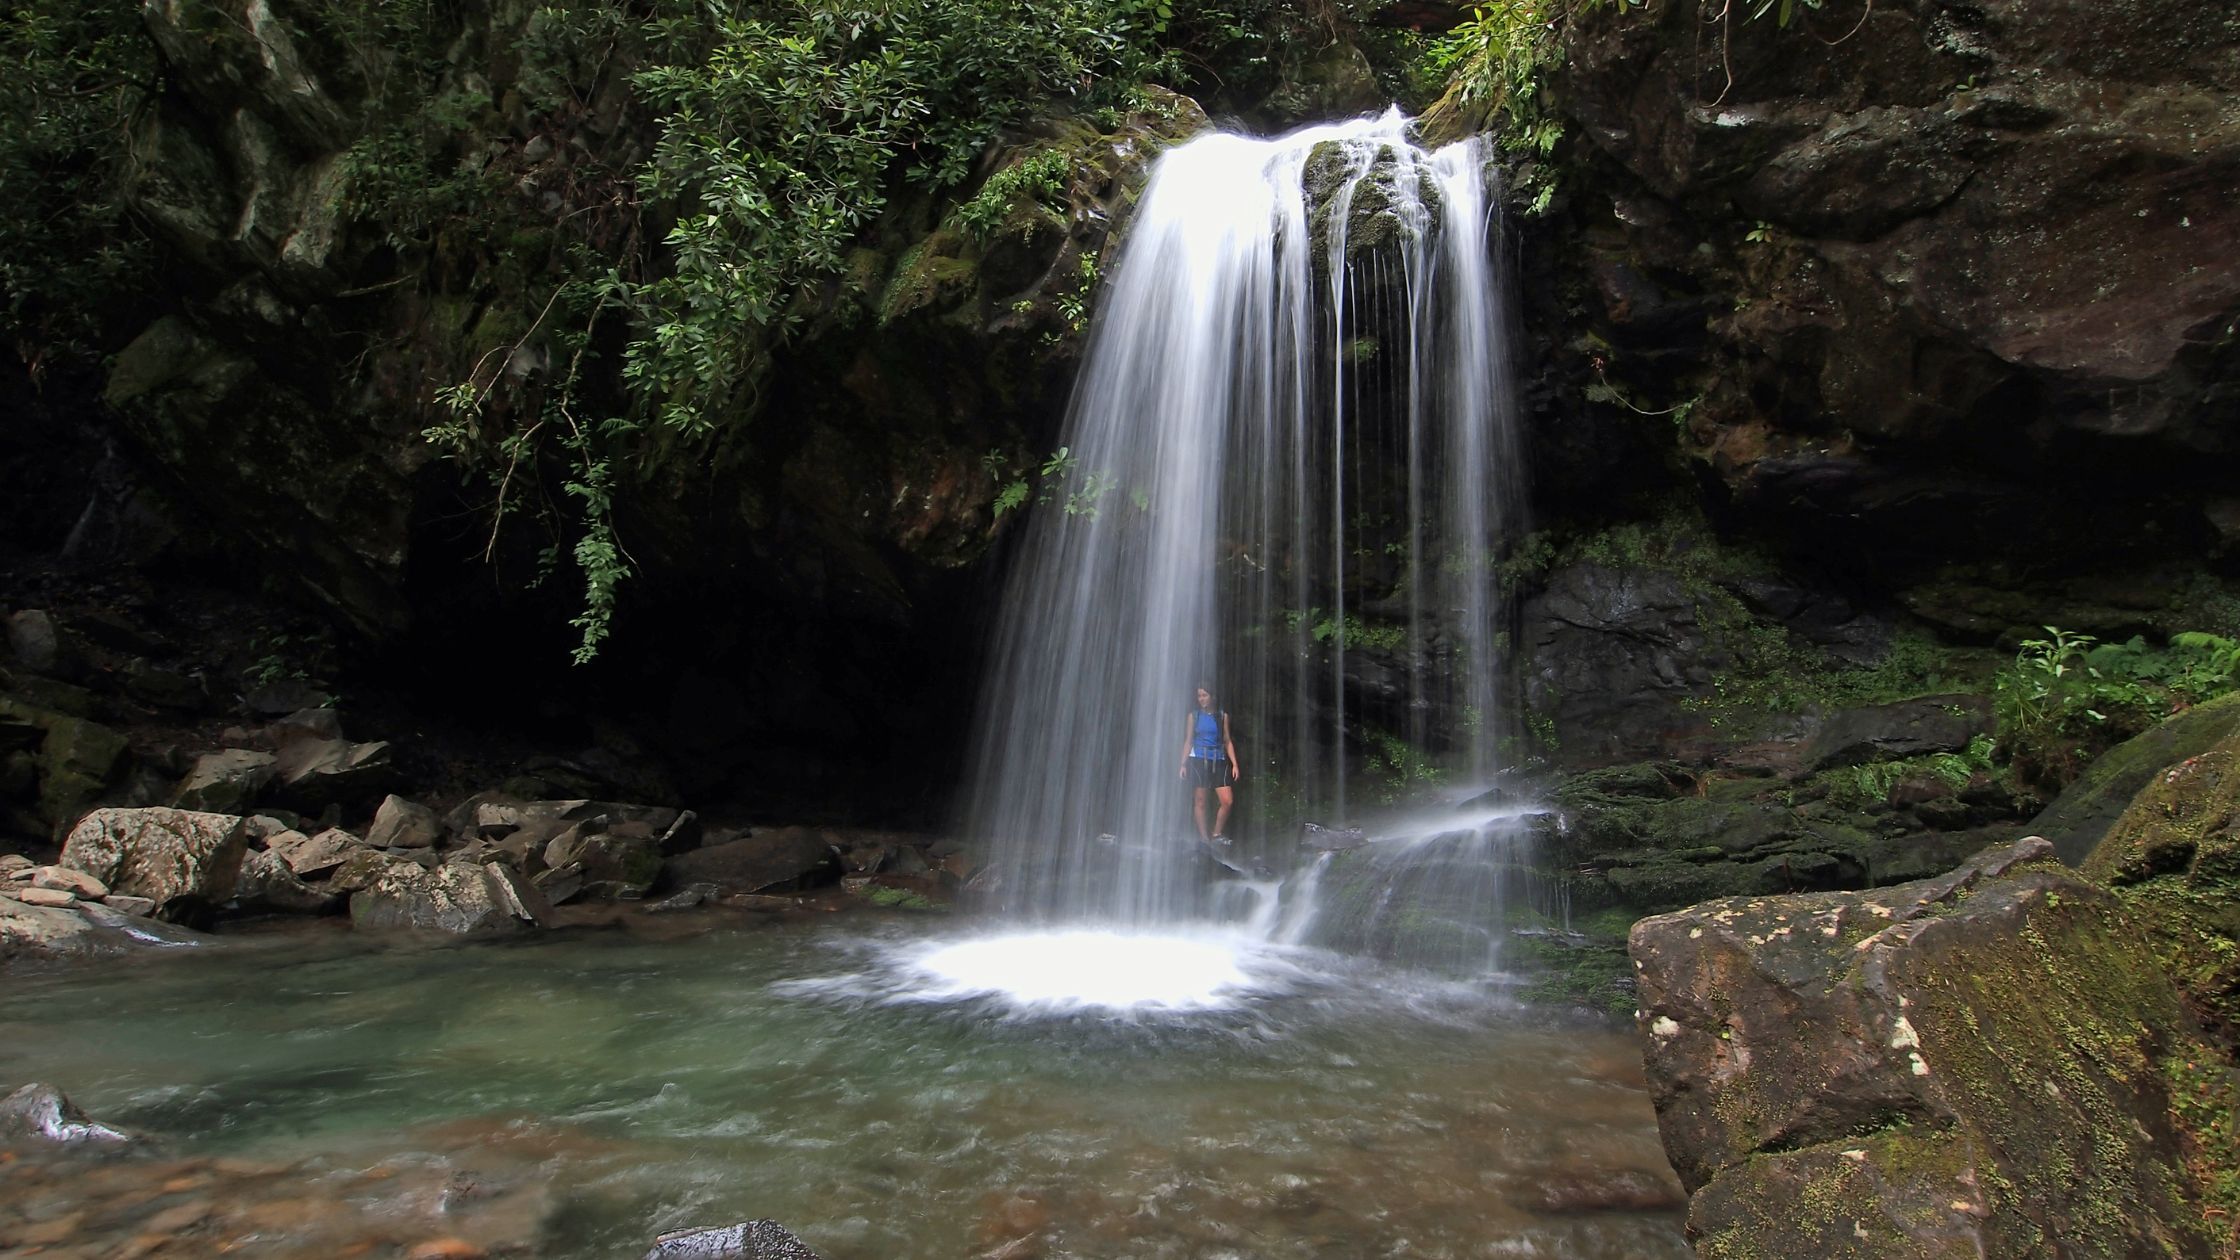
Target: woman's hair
<point x="1207" y="688"/>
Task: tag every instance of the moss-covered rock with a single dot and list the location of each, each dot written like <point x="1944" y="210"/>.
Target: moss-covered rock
<point x="2174" y="855"/>
<point x="2081" y="819"/>
<point x="1972" y="1065"/>
<point x="67" y="761"/>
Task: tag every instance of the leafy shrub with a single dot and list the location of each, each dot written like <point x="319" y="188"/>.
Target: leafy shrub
<point x="2066" y="697"/>
<point x="73" y="75"/>
<point x="1038" y="178"/>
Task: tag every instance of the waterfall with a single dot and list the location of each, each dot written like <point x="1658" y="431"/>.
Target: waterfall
<point x="1285" y="466"/>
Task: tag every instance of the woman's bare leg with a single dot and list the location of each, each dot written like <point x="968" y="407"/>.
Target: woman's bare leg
<point x="1198" y="808"/>
<point x="1228" y="797"/>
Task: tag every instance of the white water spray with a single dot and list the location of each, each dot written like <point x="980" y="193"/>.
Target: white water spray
<point x="1290" y="456"/>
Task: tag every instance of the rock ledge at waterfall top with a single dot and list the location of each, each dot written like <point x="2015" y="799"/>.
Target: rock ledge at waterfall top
<point x="1973" y="1064"/>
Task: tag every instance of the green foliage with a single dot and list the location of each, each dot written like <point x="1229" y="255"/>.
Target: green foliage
<point x="1344" y="632"/>
<point x="2067" y="696"/>
<point x="280" y="655"/>
<point x="2205" y="1103"/>
<point x="901" y="899"/>
<point x="70" y="76"/>
<point x="1497" y="59"/>
<point x="784" y="130"/>
<point x="1074" y="305"/>
<point x="1853" y="787"/>
<point x="782" y="125"/>
<point x="1059" y="480"/>
<point x="1397" y="768"/>
<point x="1784" y="10"/>
<point x="1037" y="179"/>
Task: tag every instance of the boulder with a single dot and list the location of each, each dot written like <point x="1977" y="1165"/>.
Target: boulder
<point x="359" y="869"/>
<point x="42" y="1113"/>
<point x="268" y="885"/>
<point x="163" y="688"/>
<point x="777" y="859"/>
<point x="312" y="856"/>
<point x="2080" y="817"/>
<point x="39" y="931"/>
<point x="1891" y="732"/>
<point x="686" y="898"/>
<point x="613" y="865"/>
<point x="52" y="898"/>
<point x="1968" y="1065"/>
<point x="314" y="773"/>
<point x="402" y="824"/>
<point x="2174" y="856"/>
<point x="459" y="898"/>
<point x="83" y="930"/>
<point x="185" y="862"/>
<point x="67" y="880"/>
<point x="226" y="782"/>
<point x="36" y="643"/>
<point x="75" y="758"/>
<point x="749" y="1240"/>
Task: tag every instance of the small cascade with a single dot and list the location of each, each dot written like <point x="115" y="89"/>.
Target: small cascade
<point x="1287" y="462"/>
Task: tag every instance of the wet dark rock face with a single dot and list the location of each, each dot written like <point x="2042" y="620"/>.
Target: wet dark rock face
<point x="1947" y="281"/>
<point x="809" y="585"/>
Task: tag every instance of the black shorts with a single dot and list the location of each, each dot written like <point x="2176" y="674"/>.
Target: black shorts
<point x="1210" y="772"/>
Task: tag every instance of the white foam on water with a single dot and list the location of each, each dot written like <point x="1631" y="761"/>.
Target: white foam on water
<point x="1080" y="971"/>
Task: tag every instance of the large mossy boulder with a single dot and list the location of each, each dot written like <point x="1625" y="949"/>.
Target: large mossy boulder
<point x="2174" y="855"/>
<point x="57" y="764"/>
<point x="1975" y="1065"/>
<point x="2080" y="819"/>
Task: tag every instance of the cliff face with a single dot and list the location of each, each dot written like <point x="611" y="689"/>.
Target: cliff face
<point x="1931" y="301"/>
<point x="340" y="250"/>
<point x="1943" y="281"/>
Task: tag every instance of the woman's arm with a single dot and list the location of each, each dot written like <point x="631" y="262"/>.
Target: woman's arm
<point x="1189" y="733"/>
<point x="1230" y="741"/>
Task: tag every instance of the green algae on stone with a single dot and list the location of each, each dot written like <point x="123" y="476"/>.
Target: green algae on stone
<point x="2174" y="855"/>
<point x="1987" y="1047"/>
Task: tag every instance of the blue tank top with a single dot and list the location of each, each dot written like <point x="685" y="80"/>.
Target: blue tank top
<point x="1205" y="736"/>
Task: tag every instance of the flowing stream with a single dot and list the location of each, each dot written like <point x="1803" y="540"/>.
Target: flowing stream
<point x="570" y="1095"/>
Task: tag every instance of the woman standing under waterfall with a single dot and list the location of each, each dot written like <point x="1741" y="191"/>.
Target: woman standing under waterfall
<point x="1209" y="763"/>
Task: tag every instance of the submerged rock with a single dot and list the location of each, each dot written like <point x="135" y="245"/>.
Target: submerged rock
<point x="1965" y="1065"/>
<point x="42" y="1112"/>
<point x="749" y="1240"/>
<point x="83" y="929"/>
